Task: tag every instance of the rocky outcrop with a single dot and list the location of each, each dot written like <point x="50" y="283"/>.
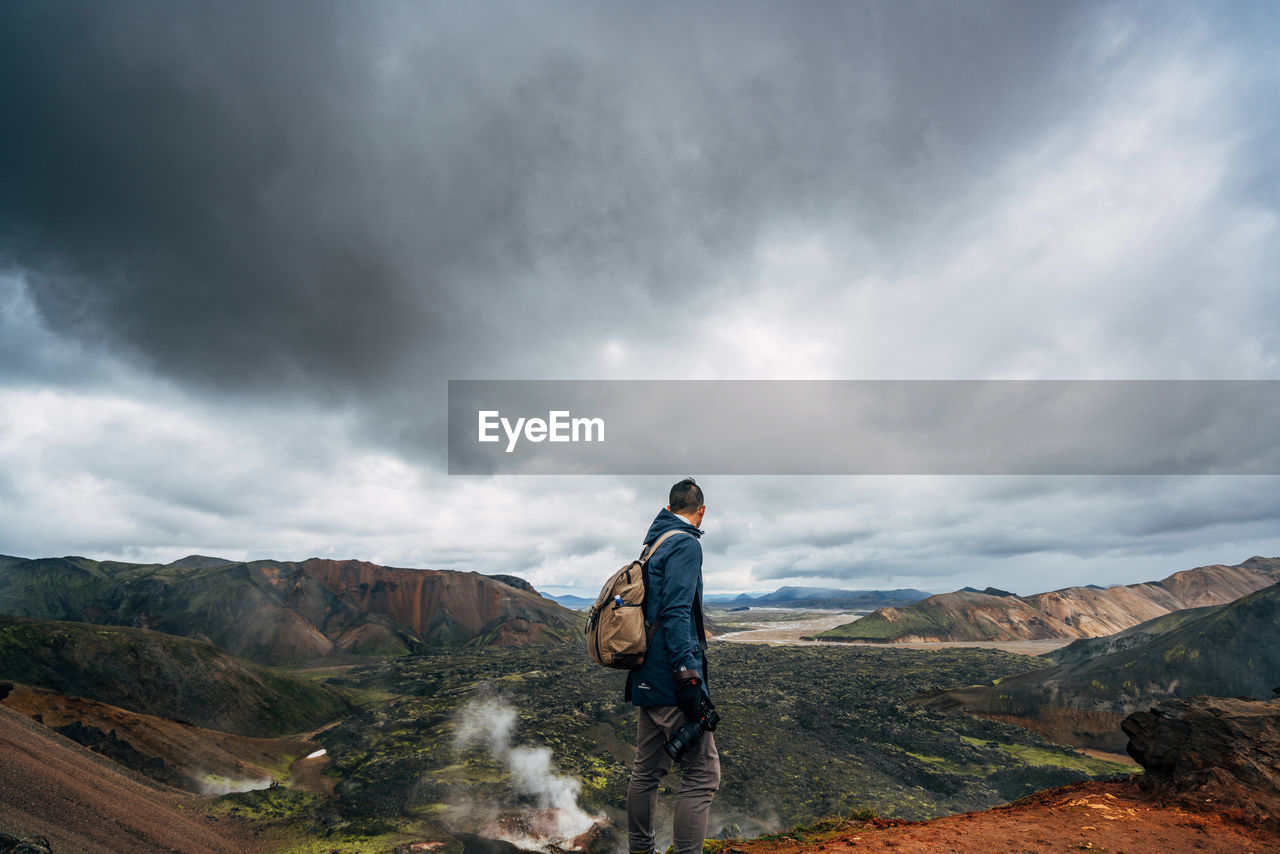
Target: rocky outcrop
<point x="1072" y="612"/>
<point x="1222" y="750"/>
<point x="10" y="844"/>
<point x="517" y="582"/>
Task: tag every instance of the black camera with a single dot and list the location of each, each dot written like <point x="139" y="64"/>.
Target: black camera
<point x="687" y="736"/>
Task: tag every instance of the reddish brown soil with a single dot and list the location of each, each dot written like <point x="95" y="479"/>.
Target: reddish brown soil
<point x="191" y="754"/>
<point x="308" y="773"/>
<point x="1112" y="817"/>
<point x="52" y="787"/>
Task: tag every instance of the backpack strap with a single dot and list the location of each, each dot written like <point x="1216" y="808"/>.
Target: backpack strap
<point x="650" y="549"/>
<point x="644" y="572"/>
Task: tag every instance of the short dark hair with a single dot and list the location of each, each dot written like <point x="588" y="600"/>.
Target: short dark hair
<point x="685" y="497"/>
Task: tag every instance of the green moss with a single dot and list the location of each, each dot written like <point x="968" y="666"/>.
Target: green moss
<point x="347" y="844"/>
<point x="1029" y="754"/>
<point x="266" y="805"/>
<point x="951" y="766"/>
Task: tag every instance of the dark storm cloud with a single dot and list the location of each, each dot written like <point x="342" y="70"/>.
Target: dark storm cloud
<point x="178" y="184"/>
<point x="330" y="197"/>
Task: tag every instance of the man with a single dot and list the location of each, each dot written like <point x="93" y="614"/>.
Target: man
<point x="670" y="687"/>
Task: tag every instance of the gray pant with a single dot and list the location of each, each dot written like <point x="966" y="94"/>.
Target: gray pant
<point x="699" y="779"/>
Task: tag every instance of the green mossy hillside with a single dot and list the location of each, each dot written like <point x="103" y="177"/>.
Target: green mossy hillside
<point x="158" y="674"/>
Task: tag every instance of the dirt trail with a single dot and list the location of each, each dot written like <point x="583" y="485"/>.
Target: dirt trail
<point x="1091" y="816"/>
<point x="52" y="787"/>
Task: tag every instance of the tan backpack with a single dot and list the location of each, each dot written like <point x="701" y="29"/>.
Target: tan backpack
<point x="616" y="635"/>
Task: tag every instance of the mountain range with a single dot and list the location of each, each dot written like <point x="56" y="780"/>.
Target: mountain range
<point x="816" y="598"/>
<point x="823" y="598"/>
<point x="280" y="612"/>
<point x="1226" y="650"/>
<point x="1072" y="612"/>
<point x="87" y="657"/>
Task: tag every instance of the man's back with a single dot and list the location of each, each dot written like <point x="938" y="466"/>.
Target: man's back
<point x="673" y="603"/>
<point x="670" y="686"/>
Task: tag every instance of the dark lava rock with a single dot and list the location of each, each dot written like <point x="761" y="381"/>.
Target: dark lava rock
<point x="601" y="838"/>
<point x="1224" y="751"/>
<point x="23" y="844"/>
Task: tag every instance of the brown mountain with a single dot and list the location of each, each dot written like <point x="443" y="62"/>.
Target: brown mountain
<point x="1072" y="612"/>
<point x="281" y="612"/>
<point x="444" y="607"/>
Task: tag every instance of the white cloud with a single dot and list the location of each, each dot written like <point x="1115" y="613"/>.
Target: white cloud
<point x="152" y="480"/>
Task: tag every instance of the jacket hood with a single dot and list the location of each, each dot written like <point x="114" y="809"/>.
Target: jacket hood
<point x="668" y="521"/>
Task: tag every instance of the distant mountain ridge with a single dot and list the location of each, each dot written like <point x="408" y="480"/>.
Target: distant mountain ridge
<point x="823" y="598"/>
<point x="1072" y="612"/>
<point x="280" y="612"/>
<point x="1222" y="650"/>
<point x="574" y="603"/>
<point x="819" y="597"/>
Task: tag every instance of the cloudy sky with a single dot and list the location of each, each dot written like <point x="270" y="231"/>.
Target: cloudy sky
<point x="243" y="248"/>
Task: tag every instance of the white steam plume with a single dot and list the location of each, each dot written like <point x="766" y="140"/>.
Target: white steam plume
<point x="214" y="784"/>
<point x="490" y="722"/>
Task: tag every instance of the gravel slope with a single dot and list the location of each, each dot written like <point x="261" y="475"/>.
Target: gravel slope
<point x="50" y="786"/>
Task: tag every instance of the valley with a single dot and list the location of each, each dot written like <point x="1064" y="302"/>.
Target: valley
<point x="803" y="628"/>
<point x="807" y="732"/>
<point x="769" y="625"/>
<point x="482" y="726"/>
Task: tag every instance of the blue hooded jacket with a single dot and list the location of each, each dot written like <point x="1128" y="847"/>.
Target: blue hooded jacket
<point x="674" y="593"/>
